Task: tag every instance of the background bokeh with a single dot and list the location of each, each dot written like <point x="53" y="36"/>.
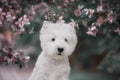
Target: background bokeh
<point x="97" y="54"/>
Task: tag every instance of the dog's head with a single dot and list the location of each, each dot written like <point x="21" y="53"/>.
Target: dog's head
<point x="58" y="40"/>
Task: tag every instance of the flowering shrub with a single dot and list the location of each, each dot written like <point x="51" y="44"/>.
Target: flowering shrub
<point x="11" y="24"/>
<point x="93" y="18"/>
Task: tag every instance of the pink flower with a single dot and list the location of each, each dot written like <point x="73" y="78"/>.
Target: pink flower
<point x="117" y="31"/>
<point x="110" y="17"/>
<point x="80" y="7"/>
<point x="23" y="21"/>
<point x="9" y="16"/>
<point x="92" y="31"/>
<point x="1" y="15"/>
<point x="26" y="20"/>
<point x="99" y="8"/>
<point x="20" y="31"/>
<point x="89" y="32"/>
<point x="77" y="12"/>
<point x="91" y="11"/>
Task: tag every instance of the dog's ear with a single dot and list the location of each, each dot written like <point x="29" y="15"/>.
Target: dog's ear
<point x="45" y="23"/>
<point x="72" y="26"/>
<point x="44" y="26"/>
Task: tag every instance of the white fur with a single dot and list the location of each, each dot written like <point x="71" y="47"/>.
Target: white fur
<point x="50" y="65"/>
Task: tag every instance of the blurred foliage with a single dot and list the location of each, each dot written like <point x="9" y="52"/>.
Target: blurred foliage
<point x="103" y="42"/>
<point x="91" y="76"/>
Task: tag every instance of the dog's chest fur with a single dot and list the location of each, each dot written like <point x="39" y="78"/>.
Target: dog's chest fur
<point x="51" y="69"/>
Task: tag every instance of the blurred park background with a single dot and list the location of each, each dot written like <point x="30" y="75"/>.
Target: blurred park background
<point x="97" y="54"/>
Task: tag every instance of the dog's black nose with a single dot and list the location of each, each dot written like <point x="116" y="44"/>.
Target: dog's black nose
<point x="60" y="50"/>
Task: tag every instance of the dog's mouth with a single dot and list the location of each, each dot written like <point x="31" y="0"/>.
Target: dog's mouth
<point x="59" y="53"/>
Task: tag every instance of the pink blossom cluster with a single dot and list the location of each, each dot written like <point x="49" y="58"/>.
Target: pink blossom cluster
<point x="12" y="22"/>
<point x="14" y="57"/>
<point x="92" y="30"/>
<point x="82" y="10"/>
<point x="6" y="16"/>
<point x="21" y="22"/>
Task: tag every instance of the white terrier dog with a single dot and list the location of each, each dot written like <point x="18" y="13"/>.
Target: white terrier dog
<point x="58" y="41"/>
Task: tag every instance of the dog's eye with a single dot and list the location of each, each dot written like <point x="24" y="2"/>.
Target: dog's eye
<point x="53" y="39"/>
<point x="66" y="40"/>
